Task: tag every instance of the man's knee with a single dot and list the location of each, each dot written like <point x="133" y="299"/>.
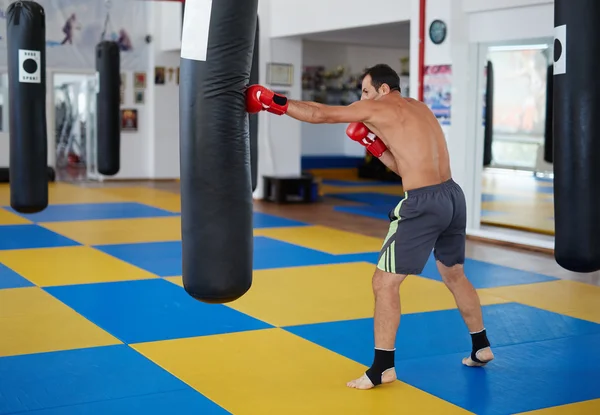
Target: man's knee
<point x="383" y="281"/>
<point x="451" y="275"/>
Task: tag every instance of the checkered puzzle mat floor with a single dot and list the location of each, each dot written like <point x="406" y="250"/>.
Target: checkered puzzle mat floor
<point x="93" y="320"/>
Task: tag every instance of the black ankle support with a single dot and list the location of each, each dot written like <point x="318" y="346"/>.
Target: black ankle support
<point x="384" y="360"/>
<point x="480" y="341"/>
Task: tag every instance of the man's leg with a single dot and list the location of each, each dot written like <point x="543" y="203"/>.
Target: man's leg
<point x="386" y="289"/>
<point x="407" y="246"/>
<point x="467" y="301"/>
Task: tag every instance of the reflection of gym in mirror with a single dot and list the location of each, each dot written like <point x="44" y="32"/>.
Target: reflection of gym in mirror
<point x="74" y="106"/>
<point x="517" y="135"/>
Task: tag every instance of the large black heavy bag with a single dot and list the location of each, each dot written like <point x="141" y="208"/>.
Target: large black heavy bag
<point x="26" y="40"/>
<point x="108" y="102"/>
<point x="489" y="116"/>
<point x="254" y="79"/>
<point x="548" y="132"/>
<point x="577" y="135"/>
<point x="216" y="185"/>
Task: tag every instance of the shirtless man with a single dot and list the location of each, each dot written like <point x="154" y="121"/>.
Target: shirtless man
<point x="405" y="135"/>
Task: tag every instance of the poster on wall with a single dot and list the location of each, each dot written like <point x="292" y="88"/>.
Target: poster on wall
<point x="129" y="119"/>
<point x="437" y="91"/>
<point x="75" y="27"/>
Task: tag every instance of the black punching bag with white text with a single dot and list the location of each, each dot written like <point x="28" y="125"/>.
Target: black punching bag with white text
<point x="108" y="102"/>
<point x="26" y="41"/>
<point x="576" y="130"/>
<point x="216" y="186"/>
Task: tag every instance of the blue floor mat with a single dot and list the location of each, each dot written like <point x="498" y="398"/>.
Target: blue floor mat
<point x="94" y="211"/>
<point x="96" y="380"/>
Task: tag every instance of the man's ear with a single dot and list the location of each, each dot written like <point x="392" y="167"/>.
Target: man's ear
<point x="384" y="89"/>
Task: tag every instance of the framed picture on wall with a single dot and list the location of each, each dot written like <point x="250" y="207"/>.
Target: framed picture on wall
<point x="139" y="80"/>
<point x="281" y="74"/>
<point x="138" y="97"/>
<point x="129" y="120"/>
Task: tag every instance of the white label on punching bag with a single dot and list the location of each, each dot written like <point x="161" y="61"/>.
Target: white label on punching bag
<point x="560" y="50"/>
<point x="196" y="23"/>
<point x="30" y="62"/>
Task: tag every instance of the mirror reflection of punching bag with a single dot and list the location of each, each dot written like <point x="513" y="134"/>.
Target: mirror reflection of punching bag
<point x="28" y="169"/>
<point x="108" y="107"/>
<point x="548" y="133"/>
<point x="489" y="116"/>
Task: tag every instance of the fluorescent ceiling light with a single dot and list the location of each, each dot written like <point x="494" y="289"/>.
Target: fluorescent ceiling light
<point x="517" y="47"/>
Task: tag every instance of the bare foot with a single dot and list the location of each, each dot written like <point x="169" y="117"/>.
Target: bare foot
<point x="364" y="382"/>
<point x="485" y="355"/>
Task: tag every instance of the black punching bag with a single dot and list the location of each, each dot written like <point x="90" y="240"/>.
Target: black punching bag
<point x="548" y="133"/>
<point x="489" y="116"/>
<point x="254" y="79"/>
<point x="26" y="40"/>
<point x="577" y="135"/>
<point x="108" y="107"/>
<point x="216" y="185"/>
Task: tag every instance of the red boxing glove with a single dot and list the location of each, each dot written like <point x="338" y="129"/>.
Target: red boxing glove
<point x="259" y="98"/>
<point x="359" y="132"/>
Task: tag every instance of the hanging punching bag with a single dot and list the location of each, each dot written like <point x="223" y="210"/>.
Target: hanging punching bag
<point x="26" y="40"/>
<point x="108" y="102"/>
<point x="548" y="133"/>
<point x="489" y="116"/>
<point x="254" y="79"/>
<point x="576" y="135"/>
<point x="216" y="186"/>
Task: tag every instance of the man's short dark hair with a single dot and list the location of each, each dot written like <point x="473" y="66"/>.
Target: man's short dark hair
<point x="383" y="74"/>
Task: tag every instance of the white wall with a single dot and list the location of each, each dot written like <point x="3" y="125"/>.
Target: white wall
<point x="331" y="140"/>
<point x="164" y="99"/>
<point x="527" y="22"/>
<point x="297" y="17"/>
<point x="470" y="6"/>
<point x="278" y="136"/>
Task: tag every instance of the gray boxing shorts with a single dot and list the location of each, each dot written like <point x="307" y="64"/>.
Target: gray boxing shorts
<point x="428" y="218"/>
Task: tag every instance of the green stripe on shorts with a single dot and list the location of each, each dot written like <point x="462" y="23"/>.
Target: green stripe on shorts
<point x="387" y="262"/>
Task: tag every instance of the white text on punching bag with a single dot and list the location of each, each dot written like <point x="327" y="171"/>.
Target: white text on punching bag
<point x="30" y="66"/>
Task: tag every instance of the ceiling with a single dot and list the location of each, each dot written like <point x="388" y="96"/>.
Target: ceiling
<point x="392" y="35"/>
